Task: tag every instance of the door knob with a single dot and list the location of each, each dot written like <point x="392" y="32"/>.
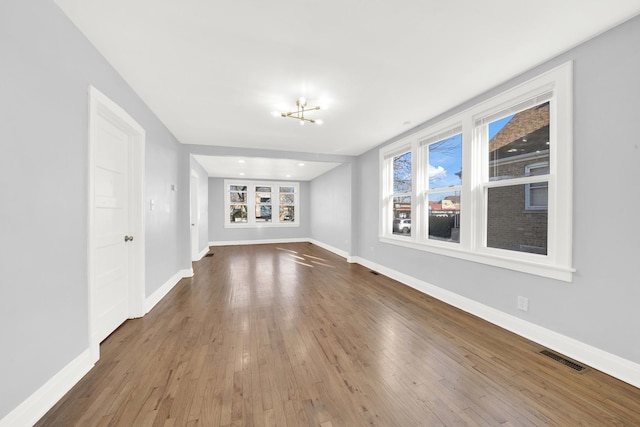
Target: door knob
<point x="128" y="238"/>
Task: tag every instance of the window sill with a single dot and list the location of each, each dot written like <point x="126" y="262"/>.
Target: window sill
<point x="552" y="271"/>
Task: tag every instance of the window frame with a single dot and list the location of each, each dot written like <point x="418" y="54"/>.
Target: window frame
<point x="473" y="121"/>
<point x="251" y="203"/>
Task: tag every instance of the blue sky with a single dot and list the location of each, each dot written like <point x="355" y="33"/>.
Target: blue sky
<point x="445" y="160"/>
<point x="495" y="127"/>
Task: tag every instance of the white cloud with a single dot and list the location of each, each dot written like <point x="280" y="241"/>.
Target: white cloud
<point x="436" y="173"/>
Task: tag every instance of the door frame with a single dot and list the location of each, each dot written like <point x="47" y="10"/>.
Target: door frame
<point x="194" y="215"/>
<point x="100" y="106"/>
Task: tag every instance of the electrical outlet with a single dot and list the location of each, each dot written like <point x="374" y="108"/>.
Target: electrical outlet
<point x="523" y="303"/>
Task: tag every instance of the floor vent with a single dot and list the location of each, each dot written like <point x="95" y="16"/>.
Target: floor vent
<point x="208" y="255"/>
<point x="374" y="272"/>
<point x="564" y="361"/>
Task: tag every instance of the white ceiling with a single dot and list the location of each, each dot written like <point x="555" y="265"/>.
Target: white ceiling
<point x="213" y="71"/>
<point x="263" y="168"/>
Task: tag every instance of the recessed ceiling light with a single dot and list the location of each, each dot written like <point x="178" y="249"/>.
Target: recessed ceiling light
<point x="241" y="173"/>
<point x="241" y="161"/>
<point x="300" y="164"/>
<point x="288" y="175"/>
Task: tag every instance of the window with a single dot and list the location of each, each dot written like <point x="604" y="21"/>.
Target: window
<point x="251" y="204"/>
<point x="519" y="144"/>
<point x="402" y="194"/>
<point x="396" y="204"/>
<point x="491" y="184"/>
<point x="443" y="185"/>
<point x="263" y="204"/>
<point x="238" y="206"/>
<point x="287" y="204"/>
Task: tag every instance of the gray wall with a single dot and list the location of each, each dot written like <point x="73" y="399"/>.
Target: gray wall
<point x="600" y="307"/>
<point x="218" y="233"/>
<point x="203" y="201"/>
<point x="331" y="208"/>
<point x="47" y="66"/>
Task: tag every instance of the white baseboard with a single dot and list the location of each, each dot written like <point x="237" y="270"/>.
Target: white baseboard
<point x="601" y="360"/>
<point x="201" y="254"/>
<point x="340" y="252"/>
<point x="330" y="248"/>
<point x="36" y="405"/>
<point x="257" y="242"/>
<point x="163" y="290"/>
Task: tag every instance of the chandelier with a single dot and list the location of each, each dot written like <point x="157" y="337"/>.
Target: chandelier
<point x="301" y="104"/>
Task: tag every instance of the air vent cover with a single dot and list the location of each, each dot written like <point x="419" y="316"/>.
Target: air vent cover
<point x="563" y="360"/>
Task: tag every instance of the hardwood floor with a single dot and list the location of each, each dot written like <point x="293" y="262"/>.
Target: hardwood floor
<point x="292" y="335"/>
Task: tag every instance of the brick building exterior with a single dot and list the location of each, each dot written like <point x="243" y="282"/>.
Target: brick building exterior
<point x="520" y="148"/>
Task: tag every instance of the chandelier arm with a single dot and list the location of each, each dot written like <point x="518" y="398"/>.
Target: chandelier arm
<point x="299" y="114"/>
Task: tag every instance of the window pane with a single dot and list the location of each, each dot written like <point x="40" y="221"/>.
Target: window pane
<point x="445" y="162"/>
<point x="238" y="197"/>
<point x="518" y="140"/>
<point x="238" y="188"/>
<point x="287" y="214"/>
<point x="510" y="226"/>
<point x="402" y="215"/>
<point x="263" y="213"/>
<point x="287" y="189"/>
<point x="444" y="216"/>
<point x="262" y="198"/>
<point x="263" y="189"/>
<point x="287" y="199"/>
<point x="402" y="173"/>
<point x="238" y="213"/>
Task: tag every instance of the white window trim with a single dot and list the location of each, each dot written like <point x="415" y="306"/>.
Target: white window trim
<point x="557" y="264"/>
<point x="251" y="204"/>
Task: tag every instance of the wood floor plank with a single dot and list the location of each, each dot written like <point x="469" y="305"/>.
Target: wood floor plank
<point x="292" y="335"/>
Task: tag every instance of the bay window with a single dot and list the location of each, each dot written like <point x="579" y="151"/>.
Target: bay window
<point x="491" y="184"/>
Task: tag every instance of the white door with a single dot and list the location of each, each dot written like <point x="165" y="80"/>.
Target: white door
<point x="116" y="219"/>
<point x="112" y="228"/>
<point x="195" y="238"/>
